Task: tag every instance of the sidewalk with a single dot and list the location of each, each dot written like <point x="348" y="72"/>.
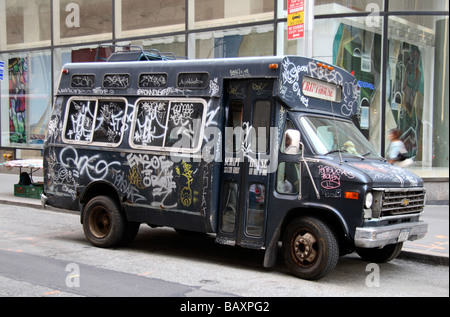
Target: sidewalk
<point x="431" y="249"/>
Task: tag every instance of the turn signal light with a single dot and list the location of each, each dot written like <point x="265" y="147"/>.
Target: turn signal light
<point x="351" y="195"/>
<point x="324" y="66"/>
<point x="273" y="66"/>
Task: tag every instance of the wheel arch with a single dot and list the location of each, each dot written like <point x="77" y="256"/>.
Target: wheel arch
<point x="95" y="189"/>
<point x="328" y="215"/>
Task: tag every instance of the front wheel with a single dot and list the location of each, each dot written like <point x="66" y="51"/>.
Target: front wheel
<point x="103" y="223"/>
<point x="310" y="248"/>
<point x="383" y="255"/>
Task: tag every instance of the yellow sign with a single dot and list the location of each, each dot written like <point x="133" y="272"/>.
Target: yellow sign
<point x="296" y="18"/>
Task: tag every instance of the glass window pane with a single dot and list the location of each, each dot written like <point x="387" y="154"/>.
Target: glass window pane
<point x="151" y="120"/>
<point x="184" y="125"/>
<point x="414" y="5"/>
<point x="288" y="176"/>
<point x="170" y="45"/>
<point x="256" y="208"/>
<point x="210" y="13"/>
<point x="27" y="21"/>
<point x="25" y="98"/>
<point x="109" y="121"/>
<point x="261" y="125"/>
<point x="80" y="120"/>
<point x="342" y="6"/>
<point x="230" y="206"/>
<point x="141" y="18"/>
<point x="235" y="116"/>
<point x="415" y="103"/>
<point x="290" y="140"/>
<point x="239" y="42"/>
<point x="84" y="20"/>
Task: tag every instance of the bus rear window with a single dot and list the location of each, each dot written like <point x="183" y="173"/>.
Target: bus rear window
<point x="319" y="89"/>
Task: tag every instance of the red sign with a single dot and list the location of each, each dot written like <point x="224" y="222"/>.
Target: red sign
<point x="319" y="89"/>
<point x="296" y="19"/>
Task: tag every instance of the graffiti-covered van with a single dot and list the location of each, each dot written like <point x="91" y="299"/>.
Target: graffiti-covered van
<point x="253" y="151"/>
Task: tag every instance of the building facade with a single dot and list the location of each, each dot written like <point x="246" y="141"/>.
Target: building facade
<point x="397" y="50"/>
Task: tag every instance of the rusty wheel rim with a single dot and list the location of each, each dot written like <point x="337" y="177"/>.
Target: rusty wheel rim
<point x="99" y="222"/>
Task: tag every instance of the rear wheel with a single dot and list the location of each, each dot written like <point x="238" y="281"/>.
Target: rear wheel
<point x="103" y="223"/>
<point x="383" y="255"/>
<point x="310" y="248"/>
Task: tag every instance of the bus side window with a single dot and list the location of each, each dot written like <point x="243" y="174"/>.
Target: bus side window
<point x="235" y="116"/>
<point x="288" y="178"/>
<point x="290" y="137"/>
<point x="150" y="126"/>
<point x="261" y="124"/>
<point x="256" y="207"/>
<point x="80" y="120"/>
<point x="230" y="205"/>
<point x="109" y="121"/>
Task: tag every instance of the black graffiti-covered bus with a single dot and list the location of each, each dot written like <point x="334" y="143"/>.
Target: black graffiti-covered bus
<point x="254" y="151"/>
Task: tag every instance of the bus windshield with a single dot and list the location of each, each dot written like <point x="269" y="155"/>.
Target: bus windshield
<point x="330" y="136"/>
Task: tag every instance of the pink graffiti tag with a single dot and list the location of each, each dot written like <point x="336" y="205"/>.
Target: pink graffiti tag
<point x="331" y="177"/>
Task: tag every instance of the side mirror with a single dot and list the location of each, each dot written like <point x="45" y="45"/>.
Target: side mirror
<point x="291" y="142"/>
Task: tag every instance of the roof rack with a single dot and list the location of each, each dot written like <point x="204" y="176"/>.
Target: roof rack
<point x="134" y="53"/>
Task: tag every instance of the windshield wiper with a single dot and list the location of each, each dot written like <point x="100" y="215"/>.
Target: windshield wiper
<point x="335" y="151"/>
<point x="345" y="151"/>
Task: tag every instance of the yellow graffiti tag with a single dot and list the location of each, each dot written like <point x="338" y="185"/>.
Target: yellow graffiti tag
<point x="186" y="192"/>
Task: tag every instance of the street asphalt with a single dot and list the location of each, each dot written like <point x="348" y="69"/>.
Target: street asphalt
<point x="431" y="249"/>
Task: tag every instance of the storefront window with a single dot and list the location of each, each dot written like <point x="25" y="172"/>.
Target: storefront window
<point x="322" y="7"/>
<point x="211" y="13"/>
<point x="25" y="98"/>
<point x="83" y="21"/>
<point x="172" y="46"/>
<point x="25" y="22"/>
<point x="141" y="18"/>
<point x="414" y="5"/>
<point x="417" y="75"/>
<point x="240" y="42"/>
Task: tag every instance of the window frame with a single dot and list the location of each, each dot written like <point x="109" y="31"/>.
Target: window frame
<point x="91" y="141"/>
<point x="163" y="148"/>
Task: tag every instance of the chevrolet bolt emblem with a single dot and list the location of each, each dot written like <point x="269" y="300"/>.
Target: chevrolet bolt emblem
<point x="404" y="203"/>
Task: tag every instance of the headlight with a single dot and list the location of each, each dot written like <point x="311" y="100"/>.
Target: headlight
<point x="368" y="201"/>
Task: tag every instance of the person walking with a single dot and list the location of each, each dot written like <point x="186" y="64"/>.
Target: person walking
<point x="397" y="153"/>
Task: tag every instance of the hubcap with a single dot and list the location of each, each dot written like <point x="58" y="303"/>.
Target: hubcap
<point x="305" y="248"/>
<point x="99" y="222"/>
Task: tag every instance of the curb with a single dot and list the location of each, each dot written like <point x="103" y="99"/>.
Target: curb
<point x="425" y="258"/>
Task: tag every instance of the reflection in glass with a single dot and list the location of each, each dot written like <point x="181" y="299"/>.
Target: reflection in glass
<point x="229" y="207"/>
<point x="255" y="211"/>
<point x="288" y="178"/>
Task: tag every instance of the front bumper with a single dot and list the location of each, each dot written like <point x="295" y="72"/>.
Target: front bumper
<point x="378" y="237"/>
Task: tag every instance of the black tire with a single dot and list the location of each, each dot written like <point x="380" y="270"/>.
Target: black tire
<point x="310" y="248"/>
<point x="103" y="223"/>
<point x="383" y="255"/>
<point x="131" y="231"/>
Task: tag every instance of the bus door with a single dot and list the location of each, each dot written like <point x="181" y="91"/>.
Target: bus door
<point x="249" y="116"/>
